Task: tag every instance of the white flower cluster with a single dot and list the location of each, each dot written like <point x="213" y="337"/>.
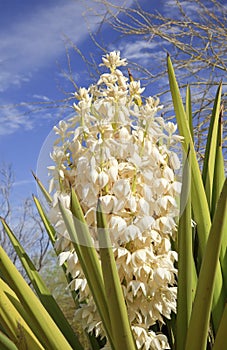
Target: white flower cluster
<point x="118" y="151"/>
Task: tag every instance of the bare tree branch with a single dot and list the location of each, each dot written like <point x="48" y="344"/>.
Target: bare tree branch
<point x="194" y="33"/>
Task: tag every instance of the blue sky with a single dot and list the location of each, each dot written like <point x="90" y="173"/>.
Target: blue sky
<point x="32" y="51"/>
<point x="32" y="56"/>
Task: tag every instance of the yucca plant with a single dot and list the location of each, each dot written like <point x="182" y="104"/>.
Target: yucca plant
<point x="201" y="279"/>
<point x="31" y="320"/>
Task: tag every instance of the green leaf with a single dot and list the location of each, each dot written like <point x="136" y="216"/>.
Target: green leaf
<point x="6" y="343"/>
<point x="199" y="200"/>
<point x="220" y="343"/>
<point x="200" y="208"/>
<point x="42" y="291"/>
<point x="14" y="324"/>
<point x="87" y="255"/>
<point x="188" y="110"/>
<point x="43" y="325"/>
<point x="219" y="169"/>
<point x="42" y="188"/>
<point x="200" y="317"/>
<point x="187" y="278"/>
<point x="4" y="287"/>
<point x="52" y="235"/>
<point x="49" y="228"/>
<point x="211" y="145"/>
<point x="120" y="325"/>
<point x="219" y="179"/>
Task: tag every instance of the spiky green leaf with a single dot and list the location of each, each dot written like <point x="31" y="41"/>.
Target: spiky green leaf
<point x="200" y="317"/>
<point x="120" y="325"/>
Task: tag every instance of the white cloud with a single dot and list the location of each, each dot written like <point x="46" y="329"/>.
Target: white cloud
<point x="36" y="39"/>
<point x="140" y="50"/>
<point x="27" y="116"/>
<point x="190" y="7"/>
<point x="11" y="77"/>
<point x="23" y="183"/>
<point x="11" y="120"/>
<point x="41" y="97"/>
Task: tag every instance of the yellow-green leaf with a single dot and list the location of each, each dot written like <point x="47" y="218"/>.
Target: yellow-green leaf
<point x="188" y="110"/>
<point x="16" y="327"/>
<point x="44" y="326"/>
<point x="120" y="325"/>
<point x="200" y="207"/>
<point x="43" y="189"/>
<point x="220" y="340"/>
<point x="87" y="255"/>
<point x="211" y="146"/>
<point x="6" y="343"/>
<point x="200" y="317"/>
<point x="187" y="278"/>
<point x="42" y="291"/>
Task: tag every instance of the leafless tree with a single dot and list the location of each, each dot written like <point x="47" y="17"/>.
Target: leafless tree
<point x="194" y="32"/>
<point x="23" y="220"/>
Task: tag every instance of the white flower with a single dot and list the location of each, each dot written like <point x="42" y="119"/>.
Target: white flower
<point x="108" y="203"/>
<point x="149" y="341"/>
<point x="121" y="188"/>
<point x="113" y="60"/>
<point x="102" y="179"/>
<point x="135" y="89"/>
<point x="82" y="94"/>
<point x="122" y="154"/>
<point x="62" y="257"/>
<point x="174" y="161"/>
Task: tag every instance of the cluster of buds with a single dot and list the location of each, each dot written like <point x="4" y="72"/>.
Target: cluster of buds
<point x="121" y="152"/>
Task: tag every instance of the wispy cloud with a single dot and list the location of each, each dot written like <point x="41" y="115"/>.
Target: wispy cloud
<point x="191" y="8"/>
<point x="23" y="183"/>
<point x="140" y="50"/>
<point x="41" y="97"/>
<point x="11" y="120"/>
<point x="36" y="39"/>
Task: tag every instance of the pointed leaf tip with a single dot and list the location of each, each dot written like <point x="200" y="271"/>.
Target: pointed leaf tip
<point x="34" y="175"/>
